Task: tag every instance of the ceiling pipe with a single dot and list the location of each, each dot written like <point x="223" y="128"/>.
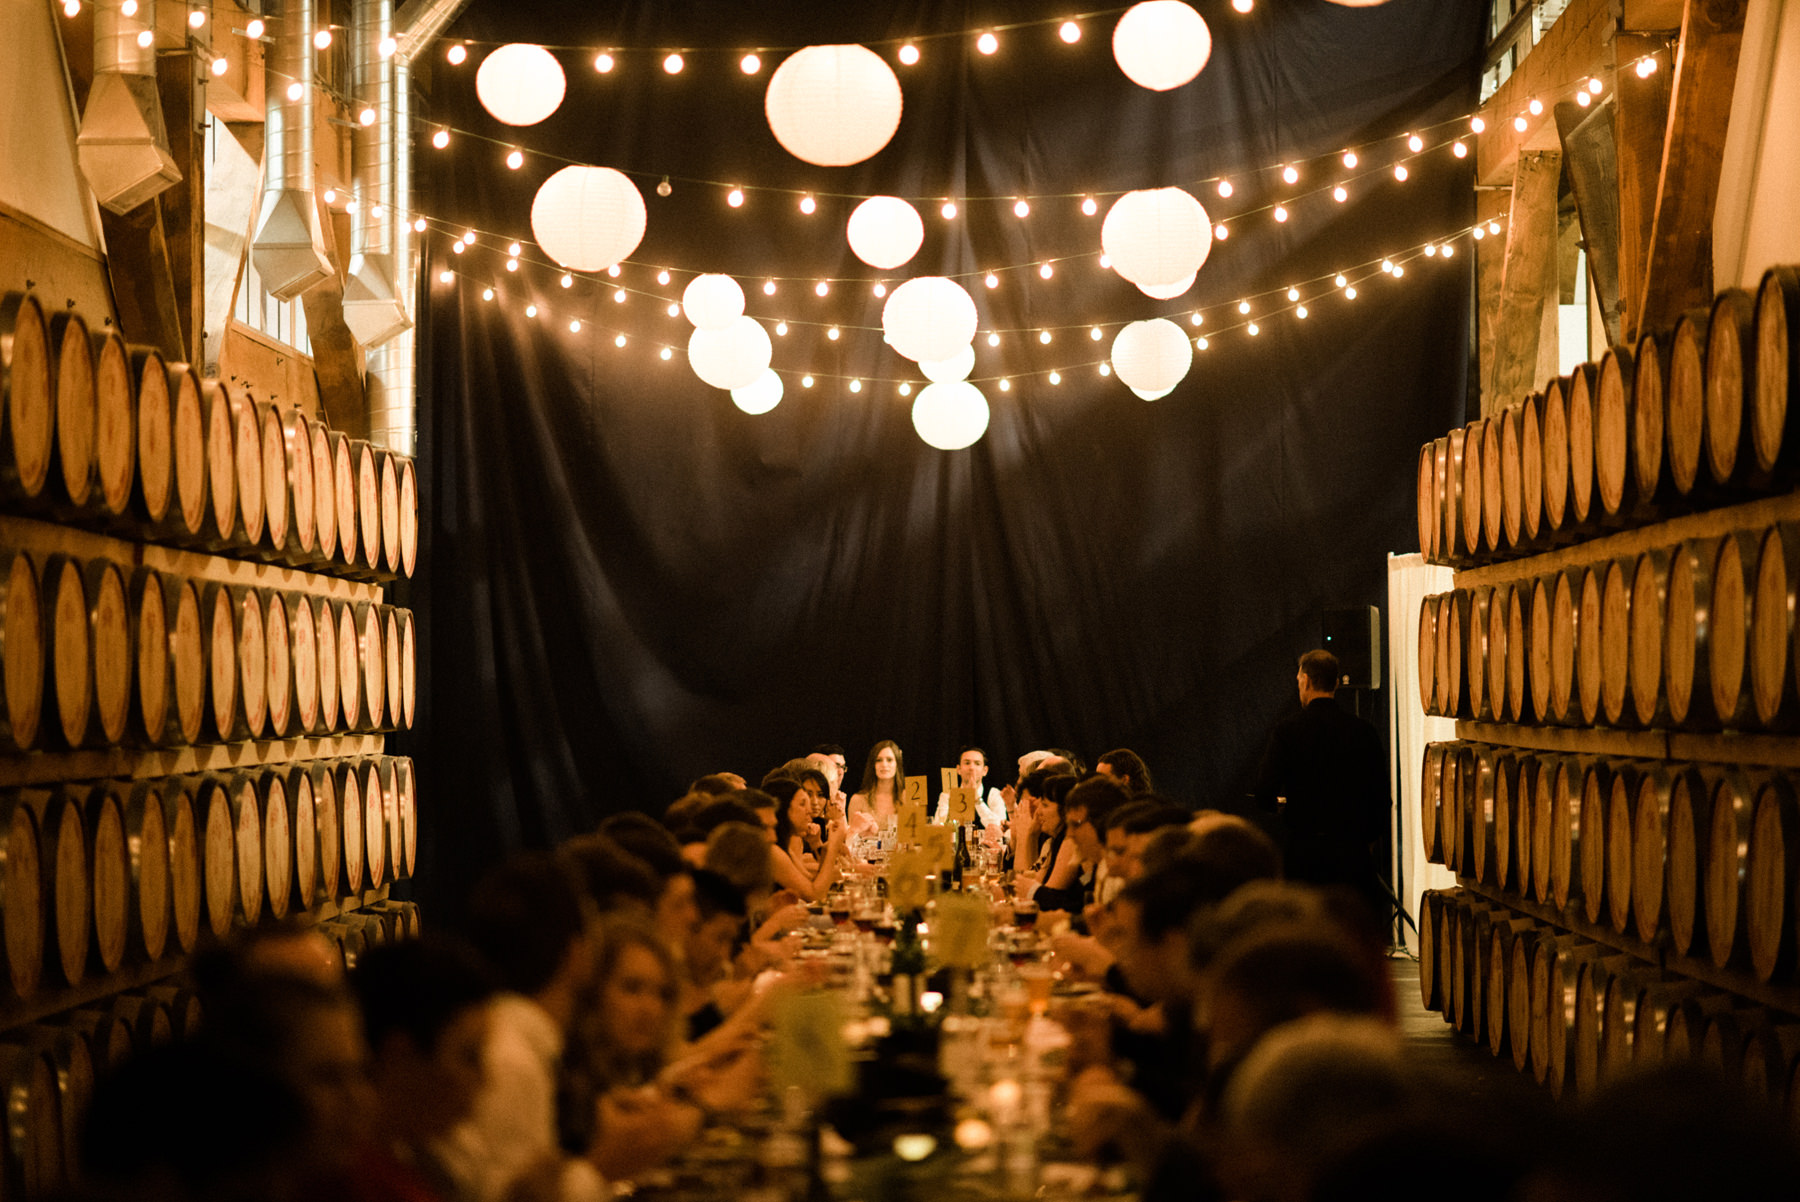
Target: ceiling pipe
<point x="123" y="146"/>
<point x="392" y="383"/>
<point x="373" y="308"/>
<point x="289" y="247"/>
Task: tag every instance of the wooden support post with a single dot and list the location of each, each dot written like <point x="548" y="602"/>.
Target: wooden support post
<point x="1529" y="279"/>
<point x="181" y="81"/>
<point x="1643" y="121"/>
<point x="1678" y="272"/>
<point x="337" y="359"/>
<point x="1590" y="147"/>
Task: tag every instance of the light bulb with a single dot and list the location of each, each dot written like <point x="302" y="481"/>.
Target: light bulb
<point x="1350" y="159"/>
<point x="662" y="277"/>
<point x="994" y="339"/>
<point x="297" y="90"/>
<point x="1493" y="227"/>
<point x="905" y="389"/>
<point x="1095" y="334"/>
<point x="667" y="354"/>
<point x="1106" y="369"/>
<point x="388" y="46"/>
<point x="440" y="139"/>
<point x="1520" y="124"/>
<point x="1399" y="271"/>
<point x="619" y="342"/>
<point x="1254" y="329"/>
<point x="1021" y="209"/>
<point x="856" y="386"/>
<point x="446" y="275"/>
<point x="880" y="290"/>
<point x="1005" y="385"/>
<point x="350" y="206"/>
<point x="567" y="281"/>
<point x="457" y="248"/>
<point x="603" y="62"/>
<point x="1198" y="319"/>
<point x="1220" y="232"/>
<point x="419" y="225"/>
<point x="619" y="296"/>
<point x="1459" y="149"/>
<point x="220" y="66"/>
<point x="673" y="64"/>
<point x="575" y="327"/>
<point x="367" y="116"/>
<point x="1400" y="172"/>
<point x="674" y="310"/>
<point x="515" y="160"/>
<point x="145" y="38"/>
<point x="1479" y="233"/>
<point x="909" y="54"/>
<point x="750" y="64"/>
<point x="1293" y="294"/>
<point x="806" y="381"/>
<point x="1044" y="337"/>
<point x="1069" y="32"/>
<point x="1350" y="293"/>
<point x="613" y="271"/>
<point x="469" y="237"/>
<point x="1290" y="175"/>
<point x="1449" y="250"/>
<point x="1340" y="194"/>
<point x="512" y="265"/>
<point x="376" y="211"/>
<point x="1415" y="143"/>
<point x="197" y="18"/>
<point x="1202" y="342"/>
<point x="1225" y="188"/>
<point x="991" y="280"/>
<point x="1387" y="267"/>
<point x="781" y="329"/>
<point x="1089" y="207"/>
<point x="331" y="196"/>
<point x="1431" y="251"/>
<point x="1243" y="6"/>
<point x="949" y="210"/>
<point x="833" y="333"/>
<point x="1056" y="377"/>
<point x="768" y="287"/>
<point x="456" y="54"/>
<point x="487" y="294"/>
<point x="1583" y="99"/>
<point x="1105" y="262"/>
<point x="1595" y="86"/>
<point x="987" y="43"/>
<point x="1300" y="312"/>
<point x="255" y="29"/>
<point x="822" y="288"/>
<point x="1536" y="106"/>
<point x="1046" y="271"/>
<point x="1646" y="67"/>
<point x="735" y="198"/>
<point x="1281" y="213"/>
<point x="1477" y="125"/>
<point x="322" y="39"/>
<point x="1340" y="281"/>
<point x="808" y="205"/>
<point x="128" y="9"/>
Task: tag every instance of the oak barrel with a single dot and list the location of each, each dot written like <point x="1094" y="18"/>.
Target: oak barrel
<point x="1731" y="389"/>
<point x="63" y="854"/>
<point x="187" y="880"/>
<point x="1649" y="836"/>
<point x="1658" y="1008"/>
<point x="1445" y="657"/>
<point x="75" y="405"/>
<point x="1555" y="422"/>
<point x="1773" y="873"/>
<point x="70" y="661"/>
<point x="183" y="1005"/>
<point x="153" y="426"/>
<point x="279" y="661"/>
<point x="27" y="407"/>
<point x="296" y="434"/>
<point x="22" y="919"/>
<point x="343" y="490"/>
<point x="225" y="709"/>
<point x="252" y="659"/>
<point x="147" y="868"/>
<point x="1649" y="418"/>
<point x="108" y="1039"/>
<point x="372" y="667"/>
<point x="389" y="472"/>
<point x="1774" y="596"/>
<point x="147" y="1017"/>
<point x="328" y="832"/>
<point x="1498" y="607"/>
<point x="1474" y="651"/>
<point x="303" y="825"/>
<point x="368" y="501"/>
<point x="186" y="517"/>
<point x="153" y="719"/>
<point x="1580" y="401"/>
<point x="1556" y="965"/>
<point x="217" y="834"/>
<point x="1518" y="652"/>
<point x="1620" y="857"/>
<point x="375" y="822"/>
<point x="387" y="772"/>
<point x="1687" y="630"/>
<point x="1588" y="1047"/>
<point x="406" y="789"/>
<point x="22" y="650"/>
<point x="1538" y="645"/>
<point x="1426" y="500"/>
<point x="109" y="872"/>
<point x="1615" y="641"/>
<point x="398" y="668"/>
<point x="1590" y="855"/>
<point x="34" y="1165"/>
<point x="1685" y="422"/>
<point x="247" y="836"/>
<point x="1728" y="639"/>
<point x="1613" y="475"/>
<point x="277" y="840"/>
<point x="1690" y="822"/>
<point x="1773" y="431"/>
<point x="1590" y="666"/>
<point x="1431" y="801"/>
<point x="1491" y="539"/>
<point x="1727" y="864"/>
<point x="110" y="642"/>
<point x="1468" y="492"/>
<point x="318" y="442"/>
<point x="1531" y="469"/>
<point x="325" y="635"/>
<point x="220" y="520"/>
<point x="409" y="515"/>
<point x="187" y="660"/>
<point x="280" y="506"/>
<point x="1567" y="832"/>
<point x="1649" y="604"/>
<point x="1552" y="770"/>
<point x="1428" y="613"/>
<point x="303" y="649"/>
<point x="115" y="426"/>
<point x="1519" y="996"/>
<point x="1565" y="643"/>
<point x="1476" y="834"/>
<point x="1512" y="503"/>
<point x="348" y="784"/>
<point x="247" y="458"/>
<point x="349" y="668"/>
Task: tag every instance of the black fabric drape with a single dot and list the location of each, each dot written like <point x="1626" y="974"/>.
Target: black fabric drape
<point x="627" y="582"/>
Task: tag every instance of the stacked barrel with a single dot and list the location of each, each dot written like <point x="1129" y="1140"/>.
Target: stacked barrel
<point x="1622" y="654"/>
<point x="197" y="672"/>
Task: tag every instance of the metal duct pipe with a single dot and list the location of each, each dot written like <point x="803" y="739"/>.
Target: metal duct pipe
<point x="372" y="307"/>
<point x="419" y="23"/>
<point x="289" y="247"/>
<point x="123" y="146"/>
<point x="392" y="385"/>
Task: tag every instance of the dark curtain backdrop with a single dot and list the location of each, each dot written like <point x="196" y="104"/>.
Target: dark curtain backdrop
<point x="627" y="582"/>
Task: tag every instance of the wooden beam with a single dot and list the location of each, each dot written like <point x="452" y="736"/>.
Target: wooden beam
<point x="1528" y="281"/>
<point x="1678" y="273"/>
<point x="137" y="260"/>
<point x="1643" y="122"/>
<point x="181" y="82"/>
<point x="1590" y="148"/>
<point x="337" y="359"/>
<point x="232" y="183"/>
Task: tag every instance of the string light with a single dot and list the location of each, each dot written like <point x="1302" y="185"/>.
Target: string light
<point x="1536" y="107"/>
<point x="1046" y="271"/>
<point x="662" y="277"/>
<point x="1350" y="292"/>
<point x="145" y="39"/>
<point x="1069" y="32"/>
<point x="991" y="280"/>
<point x="1646" y="67"/>
<point x="469" y="237"/>
<point x="388" y="47"/>
<point x="808" y="205"/>
<point x="750" y="64"/>
<point x="197" y="18"/>
<point x="613" y="271"/>
<point x="512" y="265"/>
<point x="487" y="294"/>
<point x="1225" y="188"/>
<point x="673" y="64"/>
<point x="1340" y="281"/>
<point x="419" y="225"/>
<point x="321" y="39"/>
<point x="674" y="310"/>
<point x="1202" y="342"/>
<point x="1290" y="175"/>
<point x="987" y="43"/>
<point x="1243" y="6"/>
<point x="440" y="139"/>
<point x="1021" y="209"/>
<point x="619" y="342"/>
<point x="667" y="354"/>
<point x="880" y="290"/>
<point x="822" y="288"/>
<point x="575" y="327"/>
<point x="1520" y="124"/>
<point x="1415" y="143"/>
<point x="603" y="62"/>
<point x="515" y="160"/>
<point x="905" y="388"/>
<point x="1281" y="213"/>
<point x="1095" y="334"/>
<point x="446" y="276"/>
<point x="1493" y="227"/>
<point x="456" y="54"/>
<point x="1479" y="233"/>
<point x="1583" y="99"/>
<point x="1055" y="377"/>
<point x="1244" y="307"/>
<point x="297" y="90"/>
<point x="994" y="339"/>
<point x="331" y="196"/>
<point x="1595" y="86"/>
<point x="220" y="66"/>
<point x="1459" y="149"/>
<point x="1350" y="159"/>
<point x="1477" y="125"/>
<point x="619" y="297"/>
<point x="1293" y="294"/>
<point x="1106" y="369"/>
<point x="1005" y="384"/>
<point x="1300" y="312"/>
<point x="909" y="54"/>
<point x="1449" y="250"/>
<point x="833" y="333"/>
<point x="1399" y="271"/>
<point x="1387" y="266"/>
<point x="735" y="198"/>
<point x="1400" y="172"/>
<point x="71" y="9"/>
<point x="457" y="248"/>
<point x="781" y="328"/>
<point x="856" y="386"/>
<point x="1220" y="232"/>
<point x="949" y="210"/>
<point x="1198" y="319"/>
<point x="1340" y="194"/>
<point x="1089" y="207"/>
<point x="806" y="381"/>
<point x="1253" y="329"/>
<point x="1431" y="252"/>
<point x="768" y="287"/>
<point x="1044" y="337"/>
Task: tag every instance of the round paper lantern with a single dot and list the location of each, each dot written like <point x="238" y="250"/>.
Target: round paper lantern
<point x="520" y="84"/>
<point x="1151" y="396"/>
<point x="950" y="416"/>
<point x="588" y="218"/>
<point x="1157" y="236"/>
<point x="833" y="105"/>
<point x="885" y="231"/>
<point x="712" y="301"/>
<point x="1152" y="356"/>
<point x="732" y="357"/>
<point x="760" y="395"/>
<point x="929" y="319"/>
<point x="948" y="371"/>
<point x="1168" y="291"/>
<point x="1161" y="44"/>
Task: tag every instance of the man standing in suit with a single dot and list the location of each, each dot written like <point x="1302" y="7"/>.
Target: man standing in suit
<point x="1325" y="775"/>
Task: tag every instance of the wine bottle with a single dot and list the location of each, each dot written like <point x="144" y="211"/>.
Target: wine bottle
<point x="908" y="968"/>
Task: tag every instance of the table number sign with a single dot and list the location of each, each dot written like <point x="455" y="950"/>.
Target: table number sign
<point x="807" y="1048"/>
<point x="962" y="804"/>
<point x="959" y="930"/>
<point x="907" y="887"/>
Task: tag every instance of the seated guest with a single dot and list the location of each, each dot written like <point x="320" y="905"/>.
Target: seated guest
<point x="1129" y="831"/>
<point x="708" y="956"/>
<point x="877" y="802"/>
<point x="789" y="864"/>
<point x="1128" y="768"/>
<point x="739" y="852"/>
<point x="828" y="758"/>
<point x="613" y="878"/>
<point x="971" y="770"/>
<point x="1037" y="826"/>
<point x="645" y="838"/>
<point x="795" y="808"/>
<point x="424" y="1008"/>
<point x="526" y="919"/>
<point x="718" y="784"/>
<point x="1071" y="881"/>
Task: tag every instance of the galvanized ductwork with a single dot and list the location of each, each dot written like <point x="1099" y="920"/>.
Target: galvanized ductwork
<point x="123" y="147"/>
<point x="289" y="247"/>
<point x="392" y="383"/>
<point x="373" y="308"/>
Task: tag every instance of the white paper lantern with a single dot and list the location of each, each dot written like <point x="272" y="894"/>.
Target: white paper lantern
<point x="885" y="231"/>
<point x="760" y="395"/>
<point x="732" y="357"/>
<point x="1152" y="356"/>
<point x="1157" y="236"/>
<point x="712" y="301"/>
<point x="950" y="416"/>
<point x="1151" y="396"/>
<point x="948" y="371"/>
<point x="520" y="84"/>
<point x="1161" y="44"/>
<point x="833" y="105"/>
<point x="1168" y="291"/>
<point x="929" y="319"/>
<point x="588" y="218"/>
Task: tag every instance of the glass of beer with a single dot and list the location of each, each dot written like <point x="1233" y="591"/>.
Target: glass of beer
<point x="1038" y="978"/>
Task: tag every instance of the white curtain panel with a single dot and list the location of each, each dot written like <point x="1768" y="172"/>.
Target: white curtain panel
<point x="1410" y="581"/>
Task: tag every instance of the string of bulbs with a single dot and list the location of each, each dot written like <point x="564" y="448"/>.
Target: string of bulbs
<point x="1295" y="300"/>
